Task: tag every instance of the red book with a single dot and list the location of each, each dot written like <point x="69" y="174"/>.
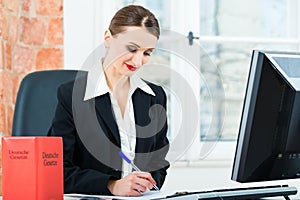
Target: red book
<point x="32" y="168"/>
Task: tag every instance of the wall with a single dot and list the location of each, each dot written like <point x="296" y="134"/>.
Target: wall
<point x="31" y="38"/>
<point x="181" y="178"/>
<point x="83" y="33"/>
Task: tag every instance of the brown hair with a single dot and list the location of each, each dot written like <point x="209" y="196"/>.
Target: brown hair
<point x="134" y="15"/>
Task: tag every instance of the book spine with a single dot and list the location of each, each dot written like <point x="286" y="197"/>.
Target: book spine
<point x="49" y="168"/>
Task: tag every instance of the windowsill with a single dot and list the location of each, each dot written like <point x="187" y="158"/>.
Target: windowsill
<point x="203" y="164"/>
<point x="221" y="156"/>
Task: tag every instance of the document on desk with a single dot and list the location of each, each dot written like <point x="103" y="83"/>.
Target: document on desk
<point x="145" y="196"/>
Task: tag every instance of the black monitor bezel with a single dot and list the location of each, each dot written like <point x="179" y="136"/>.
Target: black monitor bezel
<point x="248" y="110"/>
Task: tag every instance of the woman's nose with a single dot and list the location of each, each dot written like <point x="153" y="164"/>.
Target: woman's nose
<point x="137" y="59"/>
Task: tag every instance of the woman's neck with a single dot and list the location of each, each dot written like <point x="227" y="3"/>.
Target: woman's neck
<point x="119" y="85"/>
<point x="116" y="81"/>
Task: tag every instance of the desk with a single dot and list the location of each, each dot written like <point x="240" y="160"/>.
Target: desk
<point x="207" y="195"/>
<point x="296" y="197"/>
<point x="211" y="194"/>
<point x="191" y="198"/>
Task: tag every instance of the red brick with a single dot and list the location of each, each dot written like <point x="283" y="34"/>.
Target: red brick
<point x="12" y="5"/>
<point x="1" y="19"/>
<point x="10" y="115"/>
<point x="1" y="55"/>
<point x="1" y="87"/>
<point x="4" y="29"/>
<point x="33" y="31"/>
<point x="2" y="118"/>
<point x="6" y="87"/>
<point x="55" y="31"/>
<point x="26" y="4"/>
<point x="24" y="59"/>
<point x="49" y="7"/>
<point x="13" y="29"/>
<point x="7" y="58"/>
<point x="16" y="84"/>
<point x="49" y="58"/>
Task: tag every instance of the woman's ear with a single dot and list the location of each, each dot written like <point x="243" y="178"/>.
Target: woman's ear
<point x="107" y="37"/>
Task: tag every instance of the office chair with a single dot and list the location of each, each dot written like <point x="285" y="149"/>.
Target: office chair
<point x="36" y="101"/>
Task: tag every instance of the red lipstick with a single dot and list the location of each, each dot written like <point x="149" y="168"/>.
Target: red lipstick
<point x="130" y="67"/>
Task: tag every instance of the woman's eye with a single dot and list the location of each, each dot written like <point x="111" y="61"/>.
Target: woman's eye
<point x="131" y="49"/>
<point x="147" y="53"/>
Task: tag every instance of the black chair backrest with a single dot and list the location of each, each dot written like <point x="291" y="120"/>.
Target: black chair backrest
<point x="37" y="100"/>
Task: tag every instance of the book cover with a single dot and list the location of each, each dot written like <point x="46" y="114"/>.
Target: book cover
<point x="32" y="168"/>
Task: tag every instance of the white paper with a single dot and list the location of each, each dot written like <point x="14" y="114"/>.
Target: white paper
<point x="147" y="196"/>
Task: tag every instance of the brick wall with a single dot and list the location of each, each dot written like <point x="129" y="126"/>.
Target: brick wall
<point x="31" y="38"/>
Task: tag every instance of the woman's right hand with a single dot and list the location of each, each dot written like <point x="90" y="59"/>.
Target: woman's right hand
<point x="133" y="184"/>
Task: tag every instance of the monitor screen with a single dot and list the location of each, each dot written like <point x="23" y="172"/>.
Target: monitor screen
<point x="268" y="145"/>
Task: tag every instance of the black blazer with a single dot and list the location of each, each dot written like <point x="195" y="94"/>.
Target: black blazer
<point x="91" y="137"/>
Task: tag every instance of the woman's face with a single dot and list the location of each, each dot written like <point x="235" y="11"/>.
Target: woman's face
<point x="129" y="50"/>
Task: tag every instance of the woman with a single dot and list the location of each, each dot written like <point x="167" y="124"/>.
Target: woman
<point x="130" y="112"/>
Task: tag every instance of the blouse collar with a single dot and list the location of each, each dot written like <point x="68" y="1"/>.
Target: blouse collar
<point x="97" y="85"/>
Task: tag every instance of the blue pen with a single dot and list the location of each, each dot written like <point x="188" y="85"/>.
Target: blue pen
<point x="133" y="165"/>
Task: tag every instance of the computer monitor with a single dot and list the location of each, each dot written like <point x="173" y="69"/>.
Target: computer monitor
<point x="268" y="145"/>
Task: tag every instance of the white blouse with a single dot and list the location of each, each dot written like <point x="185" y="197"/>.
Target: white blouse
<point x="126" y="125"/>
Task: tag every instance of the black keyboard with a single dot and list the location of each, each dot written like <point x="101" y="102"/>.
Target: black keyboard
<point x="241" y="193"/>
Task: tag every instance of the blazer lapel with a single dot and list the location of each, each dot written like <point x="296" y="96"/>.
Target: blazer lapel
<point x="106" y="117"/>
<point x="141" y="105"/>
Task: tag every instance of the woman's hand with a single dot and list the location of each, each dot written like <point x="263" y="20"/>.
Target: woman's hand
<point x="133" y="184"/>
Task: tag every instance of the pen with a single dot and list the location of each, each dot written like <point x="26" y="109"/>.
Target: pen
<point x="133" y="165"/>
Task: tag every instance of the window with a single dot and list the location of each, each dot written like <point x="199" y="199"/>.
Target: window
<point x="228" y="31"/>
<point x="228" y="36"/>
